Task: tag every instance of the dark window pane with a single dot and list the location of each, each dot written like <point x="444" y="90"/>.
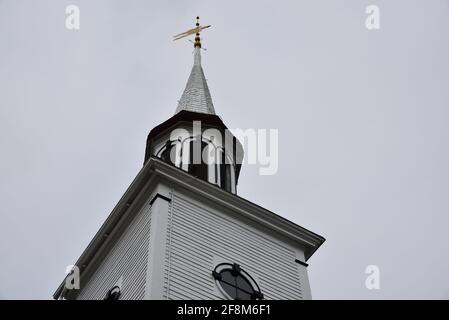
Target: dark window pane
<point x="236" y="285"/>
<point x="242" y="295"/>
<point x="244" y="284"/>
<point x="230" y="290"/>
<point x="228" y="277"/>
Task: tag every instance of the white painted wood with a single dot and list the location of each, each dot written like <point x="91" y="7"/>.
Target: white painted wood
<point x="200" y="234"/>
<point x="127" y="260"/>
<point x="157" y="257"/>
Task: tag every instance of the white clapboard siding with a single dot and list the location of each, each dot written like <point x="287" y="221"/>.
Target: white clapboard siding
<point x="198" y="235"/>
<point x="127" y="259"/>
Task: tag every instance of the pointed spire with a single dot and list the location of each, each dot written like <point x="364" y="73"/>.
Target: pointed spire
<point x="196" y="96"/>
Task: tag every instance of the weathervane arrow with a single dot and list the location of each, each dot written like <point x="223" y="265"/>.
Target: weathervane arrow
<point x="195" y="31"/>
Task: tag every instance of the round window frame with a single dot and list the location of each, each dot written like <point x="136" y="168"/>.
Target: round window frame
<point x="234" y="267"/>
<point x="113" y="294"/>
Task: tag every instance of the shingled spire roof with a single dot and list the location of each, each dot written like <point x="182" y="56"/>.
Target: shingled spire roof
<point x="196" y="96"/>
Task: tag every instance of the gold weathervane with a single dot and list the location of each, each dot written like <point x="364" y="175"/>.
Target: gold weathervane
<point x="195" y="31"/>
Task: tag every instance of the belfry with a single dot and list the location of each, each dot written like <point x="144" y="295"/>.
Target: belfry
<point x="180" y="231"/>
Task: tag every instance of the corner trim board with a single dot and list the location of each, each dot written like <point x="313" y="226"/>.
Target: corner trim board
<point x="158" y="195"/>
<point x="302" y="263"/>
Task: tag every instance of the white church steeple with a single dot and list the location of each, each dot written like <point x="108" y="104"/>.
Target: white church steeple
<point x="181" y="232"/>
<point x="196" y="96"/>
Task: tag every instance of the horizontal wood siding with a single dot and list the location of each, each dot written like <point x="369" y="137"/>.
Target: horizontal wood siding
<point x="199" y="234"/>
<point x="127" y="259"/>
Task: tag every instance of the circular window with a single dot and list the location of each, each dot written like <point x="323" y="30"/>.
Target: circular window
<point x="113" y="294"/>
<point x="236" y="283"/>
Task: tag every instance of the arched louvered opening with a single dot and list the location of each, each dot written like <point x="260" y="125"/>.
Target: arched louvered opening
<point x="198" y="166"/>
<point x="166" y="154"/>
<point x="225" y="167"/>
<point x="203" y="159"/>
<point x="169" y="152"/>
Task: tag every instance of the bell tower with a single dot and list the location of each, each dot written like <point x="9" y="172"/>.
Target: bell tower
<point x="195" y="139"/>
<point x="180" y="231"/>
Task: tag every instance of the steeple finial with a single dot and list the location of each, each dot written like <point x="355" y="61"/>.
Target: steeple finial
<point x="196" y="96"/>
<point x="197" y="30"/>
<point x="197" y="36"/>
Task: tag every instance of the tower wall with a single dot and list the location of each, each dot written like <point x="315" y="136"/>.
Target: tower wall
<point x="200" y="235"/>
<point x="172" y="245"/>
<point x="124" y="264"/>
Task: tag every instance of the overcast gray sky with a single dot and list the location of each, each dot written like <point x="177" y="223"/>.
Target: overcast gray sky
<point x="362" y="118"/>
